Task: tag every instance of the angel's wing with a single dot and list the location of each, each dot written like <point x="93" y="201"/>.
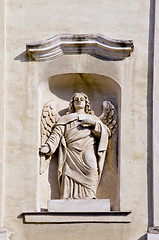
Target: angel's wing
<point x="109" y="116"/>
<point x="48" y="119"/>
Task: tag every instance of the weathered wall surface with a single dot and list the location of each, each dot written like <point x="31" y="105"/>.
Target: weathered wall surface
<point x="37" y="20"/>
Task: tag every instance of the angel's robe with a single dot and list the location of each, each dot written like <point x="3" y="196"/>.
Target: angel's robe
<point x="82" y="152"/>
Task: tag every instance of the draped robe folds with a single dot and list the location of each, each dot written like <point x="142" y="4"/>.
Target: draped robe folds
<point x="82" y="152"/>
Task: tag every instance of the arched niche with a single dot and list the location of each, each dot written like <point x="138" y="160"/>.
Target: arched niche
<point x="99" y="88"/>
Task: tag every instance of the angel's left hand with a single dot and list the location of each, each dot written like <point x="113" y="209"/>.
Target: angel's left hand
<point x="88" y="122"/>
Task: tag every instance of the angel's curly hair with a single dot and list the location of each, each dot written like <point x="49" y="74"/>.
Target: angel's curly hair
<point x="87" y="109"/>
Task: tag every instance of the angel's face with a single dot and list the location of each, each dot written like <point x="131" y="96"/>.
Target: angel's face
<point x="79" y="101"/>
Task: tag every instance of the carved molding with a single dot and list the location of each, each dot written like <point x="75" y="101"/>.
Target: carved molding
<point x="154" y="230"/>
<point x="96" y="45"/>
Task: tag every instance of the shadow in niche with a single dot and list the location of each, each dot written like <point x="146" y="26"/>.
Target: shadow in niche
<point x="149" y="113"/>
<point x="63" y="111"/>
<point x="65" y="85"/>
<point x="52" y="177"/>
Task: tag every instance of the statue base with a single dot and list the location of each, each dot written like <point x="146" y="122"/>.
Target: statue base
<point x="79" y="205"/>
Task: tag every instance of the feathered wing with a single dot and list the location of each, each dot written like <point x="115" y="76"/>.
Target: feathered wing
<point x="109" y="118"/>
<point x="48" y="119"/>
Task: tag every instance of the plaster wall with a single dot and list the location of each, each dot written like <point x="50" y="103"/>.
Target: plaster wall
<point x="31" y="21"/>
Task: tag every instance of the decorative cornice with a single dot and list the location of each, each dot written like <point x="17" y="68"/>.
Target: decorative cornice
<point x="96" y="45"/>
<point x="154" y="230"/>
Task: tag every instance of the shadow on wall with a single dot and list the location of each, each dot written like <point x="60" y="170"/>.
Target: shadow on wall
<point x="98" y="88"/>
<point x="23" y="57"/>
<point x="143" y="237"/>
<point x="149" y="113"/>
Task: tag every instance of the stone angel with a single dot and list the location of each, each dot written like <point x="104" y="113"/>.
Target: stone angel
<point x="82" y="139"/>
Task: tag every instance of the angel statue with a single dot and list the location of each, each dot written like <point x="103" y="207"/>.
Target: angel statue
<point x="82" y="139"/>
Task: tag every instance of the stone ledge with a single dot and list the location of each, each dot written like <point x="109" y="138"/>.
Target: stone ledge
<point x="83" y="217"/>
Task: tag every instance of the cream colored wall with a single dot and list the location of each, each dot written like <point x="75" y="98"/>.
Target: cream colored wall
<point x="28" y="21"/>
<point x="2" y="109"/>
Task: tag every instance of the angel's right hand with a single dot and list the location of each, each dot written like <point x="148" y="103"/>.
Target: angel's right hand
<point x="44" y="149"/>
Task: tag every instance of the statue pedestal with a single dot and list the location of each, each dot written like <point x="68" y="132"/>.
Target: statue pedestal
<point x="79" y="205"/>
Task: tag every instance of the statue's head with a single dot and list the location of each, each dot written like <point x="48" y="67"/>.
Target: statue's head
<point x="79" y="100"/>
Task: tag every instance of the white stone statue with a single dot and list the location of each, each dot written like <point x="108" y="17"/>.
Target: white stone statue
<point x="82" y="139"/>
